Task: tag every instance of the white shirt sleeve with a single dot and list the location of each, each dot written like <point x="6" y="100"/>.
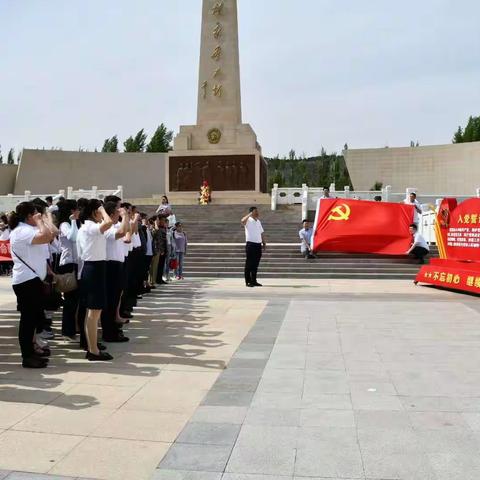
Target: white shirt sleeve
<point x="26" y="235"/>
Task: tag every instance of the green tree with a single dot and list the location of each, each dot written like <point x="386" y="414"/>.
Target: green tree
<point x="1" y="156"/>
<point x="292" y="154"/>
<point x="136" y="144"/>
<point x="458" y="137"/>
<point x="161" y="140"/>
<point x="471" y="133"/>
<point x="11" y="157"/>
<point x="110" y="144"/>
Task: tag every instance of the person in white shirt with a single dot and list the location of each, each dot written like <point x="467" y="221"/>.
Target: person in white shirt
<point x="92" y="249"/>
<point x="52" y="208"/>
<point x="255" y="240"/>
<point x="419" y="248"/>
<point x="68" y="214"/>
<point x="305" y="235"/>
<point x="412" y="200"/>
<point x="111" y="330"/>
<point x="29" y="235"/>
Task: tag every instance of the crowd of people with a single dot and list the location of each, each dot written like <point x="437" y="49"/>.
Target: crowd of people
<point x="93" y="258"/>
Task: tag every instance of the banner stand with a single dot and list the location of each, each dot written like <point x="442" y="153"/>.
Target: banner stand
<point x="451" y="274"/>
<point x="457" y="230"/>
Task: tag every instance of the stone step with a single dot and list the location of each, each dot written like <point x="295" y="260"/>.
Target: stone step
<point x="306" y="276"/>
<point x="275" y="261"/>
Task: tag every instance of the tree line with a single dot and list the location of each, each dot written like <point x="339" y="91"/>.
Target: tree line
<point x="318" y="171"/>
<point x="160" y="142"/>
<point x="471" y="132"/>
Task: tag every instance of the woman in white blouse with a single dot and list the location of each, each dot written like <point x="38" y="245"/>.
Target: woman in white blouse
<point x="92" y="249"/>
<point x="28" y="238"/>
<point x="68" y="214"/>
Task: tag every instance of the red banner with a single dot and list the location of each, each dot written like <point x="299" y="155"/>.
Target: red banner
<point x="359" y="226"/>
<point x="464" y="276"/>
<point x="5" y="255"/>
<point x="457" y="230"/>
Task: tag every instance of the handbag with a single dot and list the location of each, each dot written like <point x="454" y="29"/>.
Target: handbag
<point x="173" y="264"/>
<point x="65" y="282"/>
<point x="59" y="283"/>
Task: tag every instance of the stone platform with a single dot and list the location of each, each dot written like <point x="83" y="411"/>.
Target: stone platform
<point x="334" y="379"/>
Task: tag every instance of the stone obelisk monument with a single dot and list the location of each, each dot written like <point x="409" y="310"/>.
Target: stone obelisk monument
<point x="219" y="148"/>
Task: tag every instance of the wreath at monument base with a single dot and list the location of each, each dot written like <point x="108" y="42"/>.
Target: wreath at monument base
<point x="205" y="194"/>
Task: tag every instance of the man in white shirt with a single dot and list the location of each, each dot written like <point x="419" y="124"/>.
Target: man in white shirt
<point x="255" y="239"/>
<point x="419" y="248"/>
<point x="305" y="235"/>
<point x="412" y="200"/>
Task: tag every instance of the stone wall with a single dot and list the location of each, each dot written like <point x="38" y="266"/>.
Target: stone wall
<point x="45" y="171"/>
<point x="442" y="169"/>
<point x="8" y="173"/>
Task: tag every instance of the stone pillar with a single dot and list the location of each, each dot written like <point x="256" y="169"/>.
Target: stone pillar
<point x="219" y="98"/>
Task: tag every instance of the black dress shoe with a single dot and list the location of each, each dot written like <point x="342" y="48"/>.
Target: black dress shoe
<point x="101" y="357"/>
<point x="126" y="315"/>
<point x="34" y="362"/>
<point x="256" y="284"/>
<point x="249" y="285"/>
<point x="101" y="347"/>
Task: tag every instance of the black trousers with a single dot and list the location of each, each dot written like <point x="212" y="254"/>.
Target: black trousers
<point x="254" y="255"/>
<point x="146" y="265"/>
<point x="161" y="267"/>
<point x="70" y="304"/>
<point x="114" y="284"/>
<point x="420" y="253"/>
<point x="30" y="301"/>
<point x="129" y="298"/>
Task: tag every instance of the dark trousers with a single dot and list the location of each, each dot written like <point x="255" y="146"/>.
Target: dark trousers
<point x="129" y="297"/>
<point x="161" y="267"/>
<point x="30" y="301"/>
<point x="114" y="286"/>
<point x="81" y="317"/>
<point x="146" y="265"/>
<point x="70" y="304"/>
<point x="254" y="255"/>
<point x="419" y="253"/>
<point x="139" y="272"/>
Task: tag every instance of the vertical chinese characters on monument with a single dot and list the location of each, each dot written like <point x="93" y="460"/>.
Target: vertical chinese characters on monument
<point x="216" y="56"/>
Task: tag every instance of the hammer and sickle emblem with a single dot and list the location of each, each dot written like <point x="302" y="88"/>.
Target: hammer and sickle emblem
<point x="342" y="212"/>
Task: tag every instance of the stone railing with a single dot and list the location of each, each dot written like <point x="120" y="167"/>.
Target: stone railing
<point x="9" y="202"/>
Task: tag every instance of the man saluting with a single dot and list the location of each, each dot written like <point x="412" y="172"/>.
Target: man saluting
<point x="255" y="238"/>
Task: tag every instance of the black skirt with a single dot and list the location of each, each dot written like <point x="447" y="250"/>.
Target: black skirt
<point x="93" y="293"/>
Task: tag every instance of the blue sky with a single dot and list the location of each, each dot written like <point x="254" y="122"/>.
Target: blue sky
<point x="314" y="72"/>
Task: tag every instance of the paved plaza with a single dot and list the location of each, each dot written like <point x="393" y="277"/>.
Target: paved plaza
<point x="336" y="379"/>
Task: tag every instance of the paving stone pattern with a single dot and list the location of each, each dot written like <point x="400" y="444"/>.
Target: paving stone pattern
<point x="368" y="388"/>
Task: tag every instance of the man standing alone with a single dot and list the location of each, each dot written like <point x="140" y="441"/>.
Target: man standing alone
<point x="255" y="238"/>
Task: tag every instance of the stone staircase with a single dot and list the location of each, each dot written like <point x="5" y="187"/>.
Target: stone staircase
<point x="216" y="248"/>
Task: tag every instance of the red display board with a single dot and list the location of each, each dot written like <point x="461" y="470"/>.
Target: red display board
<point x="457" y="230"/>
<point x="5" y="255"/>
<point x="360" y="226"/>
